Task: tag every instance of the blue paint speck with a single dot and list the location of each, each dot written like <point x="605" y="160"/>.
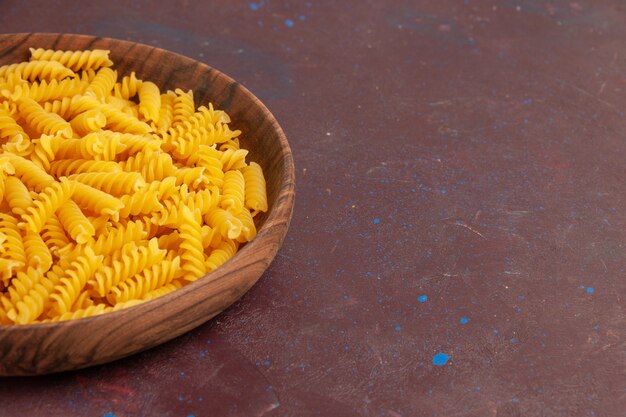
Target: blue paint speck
<point x="266" y="363"/>
<point x="180" y="398"/>
<point x="289" y="23"/>
<point x="109" y="415"/>
<point x="422" y="298"/>
<point x="191" y="415"/>
<point x="464" y="320"/>
<point x="494" y="331"/>
<point x="440" y="359"/>
<point x="398" y="328"/>
<point x="302" y="17"/>
<point x="590" y="290"/>
<point x="376" y="221"/>
<point x="254" y="6"/>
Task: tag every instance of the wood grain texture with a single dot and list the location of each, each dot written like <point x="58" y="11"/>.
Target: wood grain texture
<point x="54" y="347"/>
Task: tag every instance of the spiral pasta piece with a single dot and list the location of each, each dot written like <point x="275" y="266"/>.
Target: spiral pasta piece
<point x="19" y="145"/>
<point x="103" y="83"/>
<point x="31" y="305"/>
<point x="184" y="106"/>
<point x="9" y="126"/>
<point x="114" y="183"/>
<point x="91" y="146"/>
<point x="30" y="173"/>
<point x="152" y="165"/>
<point x="75" y="279"/>
<point x="74" y="60"/>
<point x="66" y="167"/>
<point x="192" y="177"/>
<point x="166" y="112"/>
<point x="95" y="200"/>
<point x="130" y="264"/>
<point x="233" y="159"/>
<point x="46" y="90"/>
<point x="209" y="116"/>
<point x="143" y="201"/>
<point x="48" y="202"/>
<point x="127" y="87"/>
<point x="248" y="230"/>
<point x="255" y="188"/>
<point x="23" y="282"/>
<point x="233" y="191"/>
<point x="156" y="276"/>
<point x="122" y="122"/>
<point x="70" y="107"/>
<point x="44" y="151"/>
<point x="192" y="255"/>
<point x="54" y="235"/>
<point x="138" y="143"/>
<point x="221" y="254"/>
<point x="75" y="222"/>
<point x="17" y="195"/>
<point x="37" y="253"/>
<point x="210" y="159"/>
<point x="113" y="239"/>
<point x="229" y="226"/>
<point x="149" y="101"/>
<point x="44" y="70"/>
<point x="12" y="247"/>
<point x="42" y="121"/>
<point x="88" y="121"/>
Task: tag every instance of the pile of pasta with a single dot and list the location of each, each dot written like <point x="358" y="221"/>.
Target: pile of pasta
<point x="112" y="192"/>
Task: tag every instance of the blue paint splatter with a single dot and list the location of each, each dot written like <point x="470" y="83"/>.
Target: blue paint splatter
<point x="590" y="290"/>
<point x="289" y="23"/>
<point x="180" y="398"/>
<point x="254" y="6"/>
<point x="376" y="221"/>
<point x="440" y="359"/>
<point x="266" y="363"/>
<point x="109" y="415"/>
<point x="422" y="298"/>
<point x="302" y="17"/>
<point x="191" y="415"/>
<point x="398" y="328"/>
<point x="494" y="331"/>
<point x="464" y="320"/>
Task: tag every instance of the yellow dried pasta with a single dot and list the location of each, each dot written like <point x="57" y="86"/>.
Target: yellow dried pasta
<point x="114" y="192"/>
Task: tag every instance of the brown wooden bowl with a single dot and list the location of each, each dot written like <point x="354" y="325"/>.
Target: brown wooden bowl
<point x="52" y="347"/>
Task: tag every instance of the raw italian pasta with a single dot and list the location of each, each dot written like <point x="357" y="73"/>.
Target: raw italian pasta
<point x="113" y="191"/>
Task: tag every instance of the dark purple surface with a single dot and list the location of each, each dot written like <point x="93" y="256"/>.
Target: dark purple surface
<point x="470" y="151"/>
